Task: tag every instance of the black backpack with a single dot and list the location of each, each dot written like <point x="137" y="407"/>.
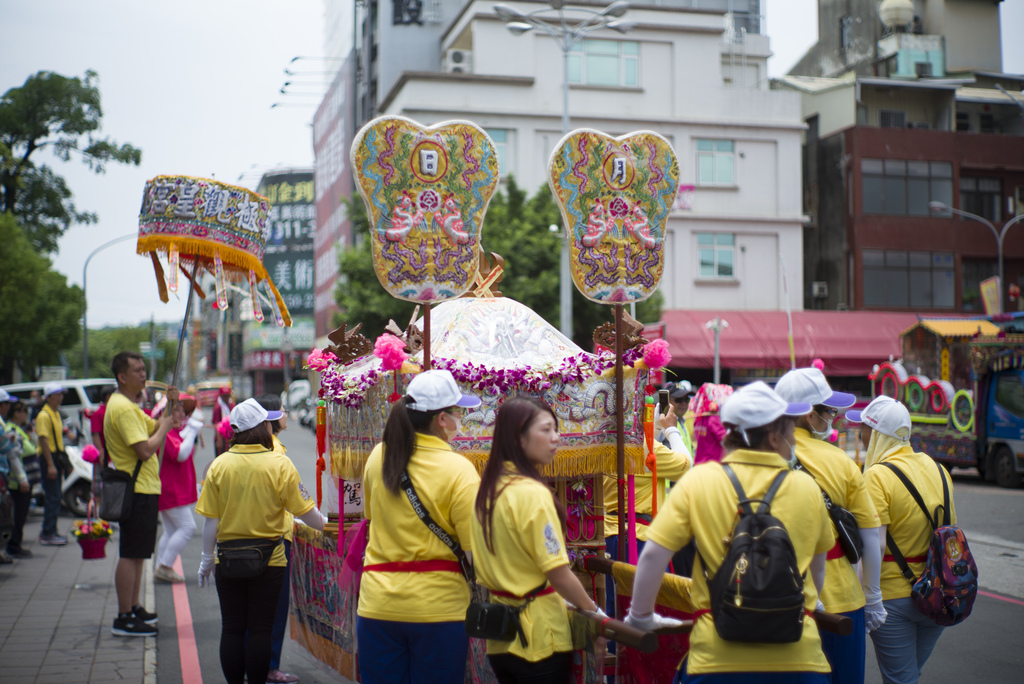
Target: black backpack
<point x="757" y="593"/>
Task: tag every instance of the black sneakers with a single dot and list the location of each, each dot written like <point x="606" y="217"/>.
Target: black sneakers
<point x="144" y="615"/>
<point x="132" y="626"/>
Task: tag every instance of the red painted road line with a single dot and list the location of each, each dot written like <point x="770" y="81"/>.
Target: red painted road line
<point x="190" y="671"/>
<point x="1001" y="598"/>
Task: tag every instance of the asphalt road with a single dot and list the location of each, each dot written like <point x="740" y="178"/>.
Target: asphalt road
<point x="984" y="649"/>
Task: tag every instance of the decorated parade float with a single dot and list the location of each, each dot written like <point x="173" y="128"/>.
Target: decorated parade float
<point x="426" y="192"/>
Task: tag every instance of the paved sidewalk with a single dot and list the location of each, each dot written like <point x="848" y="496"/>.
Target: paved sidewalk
<point x="56" y="615"/>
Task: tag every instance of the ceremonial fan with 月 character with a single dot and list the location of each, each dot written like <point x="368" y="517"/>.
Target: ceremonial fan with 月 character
<point x="197" y="223"/>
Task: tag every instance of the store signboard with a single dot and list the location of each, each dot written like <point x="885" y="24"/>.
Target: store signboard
<point x="288" y="255"/>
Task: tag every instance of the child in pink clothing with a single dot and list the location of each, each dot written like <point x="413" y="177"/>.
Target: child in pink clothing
<point x="178" y="488"/>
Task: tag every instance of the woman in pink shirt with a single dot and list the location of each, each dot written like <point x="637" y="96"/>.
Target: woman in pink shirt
<point x="178" y="487"/>
<point x="708" y="430"/>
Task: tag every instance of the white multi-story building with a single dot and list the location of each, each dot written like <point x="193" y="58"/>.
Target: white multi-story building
<point x="697" y="77"/>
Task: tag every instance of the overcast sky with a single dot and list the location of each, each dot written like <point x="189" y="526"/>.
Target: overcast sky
<point x="192" y="82"/>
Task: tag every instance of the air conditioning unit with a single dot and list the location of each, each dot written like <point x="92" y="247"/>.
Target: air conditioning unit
<point x="458" y="61"/>
<point x="819" y="289"/>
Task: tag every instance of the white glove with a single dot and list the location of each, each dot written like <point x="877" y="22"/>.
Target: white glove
<point x="196" y="420"/>
<point x="820" y="606"/>
<point x="874" y="611"/>
<point x="206" y="569"/>
<point x="651" y="622"/>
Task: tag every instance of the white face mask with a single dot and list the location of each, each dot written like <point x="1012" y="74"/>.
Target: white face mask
<point x="792" y="453"/>
<point x="828" y="428"/>
<point x="458" y="425"/>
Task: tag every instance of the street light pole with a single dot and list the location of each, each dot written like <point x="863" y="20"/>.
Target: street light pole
<point x="85" y="299"/>
<point x="566" y="36"/>
<point x="717" y="325"/>
<point x="938" y="207"/>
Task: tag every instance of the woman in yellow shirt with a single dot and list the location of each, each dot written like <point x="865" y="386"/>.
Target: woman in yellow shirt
<point x="411" y="623"/>
<point x="520" y="547"/>
<point x="248" y="493"/>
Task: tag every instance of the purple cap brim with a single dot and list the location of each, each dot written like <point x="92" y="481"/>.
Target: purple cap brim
<point x="797" y="409"/>
<point x="274" y="415"/>
<point x="855" y="416"/>
<point x="468" y="401"/>
<point x="840" y="400"/>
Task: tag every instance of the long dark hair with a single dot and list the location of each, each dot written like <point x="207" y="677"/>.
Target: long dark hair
<point x="400" y="440"/>
<point x="757" y="438"/>
<point x="513" y="420"/>
<point x="260" y="434"/>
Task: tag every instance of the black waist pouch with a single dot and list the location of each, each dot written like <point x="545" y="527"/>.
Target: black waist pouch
<point x="494" y="621"/>
<point x="245" y="558"/>
<point x="847" y="532"/>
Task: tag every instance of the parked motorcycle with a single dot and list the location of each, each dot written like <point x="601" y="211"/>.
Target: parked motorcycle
<point x="77" y="488"/>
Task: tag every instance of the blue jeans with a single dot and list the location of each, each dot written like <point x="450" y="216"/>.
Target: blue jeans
<point x="904" y="642"/>
<point x="51" y="503"/>
<point x="846" y="653"/>
<point x="281" y="617"/>
<point x="412" y="652"/>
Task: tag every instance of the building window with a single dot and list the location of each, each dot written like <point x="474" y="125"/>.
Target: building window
<point x="715" y="162"/>
<point x="502" y="139"/>
<point x="963" y="122"/>
<point x="908" y="279"/>
<point x="605" y="63"/>
<point x="922" y="69"/>
<point x="986" y="123"/>
<point x="845" y="32"/>
<point x="904" y="188"/>
<point x="716" y="252"/>
<point x="982" y="196"/>
<point x="973" y="271"/>
<point x="892" y="118"/>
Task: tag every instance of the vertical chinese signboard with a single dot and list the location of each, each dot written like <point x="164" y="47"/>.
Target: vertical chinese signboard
<point x="288" y="255"/>
<point x="333" y="128"/>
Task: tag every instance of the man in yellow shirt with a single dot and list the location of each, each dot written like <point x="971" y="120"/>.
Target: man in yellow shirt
<point x="134" y="439"/>
<point x="840" y="479"/>
<point x="703" y="506"/>
<point x="50" y="430"/>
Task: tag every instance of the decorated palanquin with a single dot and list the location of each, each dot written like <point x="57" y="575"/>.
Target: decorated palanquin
<point x="426" y="191"/>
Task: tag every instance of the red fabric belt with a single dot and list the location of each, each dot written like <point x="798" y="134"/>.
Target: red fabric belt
<point x="415" y="566"/>
<point x="698" y="613"/>
<point x="509" y="595"/>
<point x="835" y="552"/>
<point x="909" y="559"/>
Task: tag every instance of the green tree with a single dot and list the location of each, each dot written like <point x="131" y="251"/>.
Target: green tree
<point x="39" y="312"/>
<point x="516" y="228"/>
<point x="104" y="343"/>
<point x="63" y="115"/>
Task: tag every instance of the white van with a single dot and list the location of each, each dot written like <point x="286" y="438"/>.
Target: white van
<point x="79" y="396"/>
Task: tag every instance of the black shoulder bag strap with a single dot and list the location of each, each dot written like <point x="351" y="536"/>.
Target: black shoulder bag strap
<point x="421" y="512"/>
<point x="768" y="496"/>
<point x="932" y="520"/>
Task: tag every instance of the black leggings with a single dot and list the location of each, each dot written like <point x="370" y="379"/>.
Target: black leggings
<point x="511" y="669"/>
<point x="247" y="606"/>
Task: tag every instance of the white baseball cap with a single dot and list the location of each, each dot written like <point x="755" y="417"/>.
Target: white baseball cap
<point x="809" y="385"/>
<point x="5" y="396"/>
<point x="886" y="415"/>
<point x="756" y="405"/>
<point x="249" y="414"/>
<point x="434" y="390"/>
<point x="52" y="388"/>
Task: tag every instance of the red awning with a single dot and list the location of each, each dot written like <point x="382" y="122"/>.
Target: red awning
<point x="849" y="342"/>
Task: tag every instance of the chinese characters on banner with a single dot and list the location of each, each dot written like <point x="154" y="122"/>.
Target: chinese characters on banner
<point x="352" y="497"/>
<point x="288" y="255"/>
<point x="263" y="360"/>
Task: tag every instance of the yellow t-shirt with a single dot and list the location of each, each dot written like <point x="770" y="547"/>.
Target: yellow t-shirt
<point x="839" y="476"/>
<point x="671" y="466"/>
<point x="289" y="518"/>
<point x="703" y="506"/>
<point x="125" y="424"/>
<point x="527" y="542"/>
<point x="446" y="483"/>
<point x="250" y="490"/>
<point x="904" y="519"/>
<point x="50" y="426"/>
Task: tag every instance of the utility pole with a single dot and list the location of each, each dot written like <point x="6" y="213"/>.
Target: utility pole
<point x="717" y="325"/>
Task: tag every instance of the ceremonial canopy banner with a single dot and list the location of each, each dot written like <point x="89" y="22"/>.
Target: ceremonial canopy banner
<point x="223" y="228"/>
<point x="615" y="195"/>
<point x="426" y="190"/>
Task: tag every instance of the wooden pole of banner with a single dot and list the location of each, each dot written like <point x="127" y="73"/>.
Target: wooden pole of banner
<point x="620" y="436"/>
<point x="184" y="324"/>
<point x="426" y="336"/>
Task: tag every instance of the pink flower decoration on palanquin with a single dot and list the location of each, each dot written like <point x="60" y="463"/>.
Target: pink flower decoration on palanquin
<point x="656" y="354"/>
<point x="618" y="207"/>
<point x="90" y="454"/>
<point x="319" y="359"/>
<point x="819" y="364"/>
<point x="391" y="352"/>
